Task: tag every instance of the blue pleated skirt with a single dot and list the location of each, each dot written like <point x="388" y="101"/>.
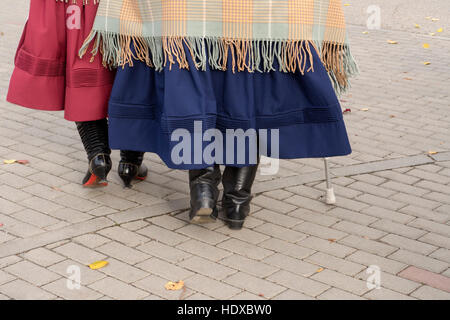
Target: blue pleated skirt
<point x="193" y="119"/>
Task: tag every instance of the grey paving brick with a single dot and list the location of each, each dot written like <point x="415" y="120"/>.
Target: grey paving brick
<point x="164" y="252"/>
<point x="207" y="268"/>
<point x="165" y="269"/>
<point x="254" y="285"/>
<point x="122" y="252"/>
<point x="204" y="250"/>
<point x="337" y="294"/>
<point x="21" y="290"/>
<point x="118" y="290"/>
<point x="291" y="264"/>
<point x="292" y="295"/>
<point x="398" y="228"/>
<point x="441" y="254"/>
<point x="91" y="240"/>
<point x="286" y="248"/>
<point x="249" y="266"/>
<point x="211" y="287"/>
<point x="425" y="213"/>
<point x="419" y="260"/>
<point x="272" y="204"/>
<point x="326" y="246"/>
<point x="393" y="282"/>
<point x="320" y="231"/>
<point x="245" y="249"/>
<point x="386" y="294"/>
<point x="155" y="285"/>
<point x="32" y="273"/>
<point x="387" y="214"/>
<point x="163" y="235"/>
<point x="276" y="218"/>
<point x="368" y="245"/>
<point x="341" y="281"/>
<point x="436" y="240"/>
<point x="60" y="289"/>
<point x="356" y="229"/>
<point x="385" y="203"/>
<point x="246" y="235"/>
<point x="298" y="283"/>
<point x="79" y="253"/>
<point x="431" y="226"/>
<point x="408" y="244"/>
<point x="124" y="236"/>
<point x="429" y="293"/>
<point x="43" y="257"/>
<point x="352" y="216"/>
<point x="313" y="217"/>
<point x="88" y="276"/>
<point x="340" y="265"/>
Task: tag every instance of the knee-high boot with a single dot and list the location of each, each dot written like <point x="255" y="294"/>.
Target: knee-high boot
<point x="204" y="194"/>
<point x="94" y="135"/>
<point x="237" y="183"/>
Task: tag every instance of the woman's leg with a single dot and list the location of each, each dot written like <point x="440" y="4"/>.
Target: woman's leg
<point x="131" y="167"/>
<point x="94" y="135"/>
<point x="237" y="183"/>
<point x="204" y="186"/>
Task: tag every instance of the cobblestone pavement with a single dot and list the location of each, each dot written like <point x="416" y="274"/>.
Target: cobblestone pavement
<point x="393" y="208"/>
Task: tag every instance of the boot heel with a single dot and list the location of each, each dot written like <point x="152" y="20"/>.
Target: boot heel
<point x="235" y="225"/>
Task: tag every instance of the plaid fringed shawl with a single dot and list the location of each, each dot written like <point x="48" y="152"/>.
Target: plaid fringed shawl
<point x="253" y="33"/>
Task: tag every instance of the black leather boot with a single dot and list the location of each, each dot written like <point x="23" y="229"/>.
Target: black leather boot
<point x="237" y="184"/>
<point x="204" y="194"/>
<point x="131" y="167"/>
<point x="94" y="135"/>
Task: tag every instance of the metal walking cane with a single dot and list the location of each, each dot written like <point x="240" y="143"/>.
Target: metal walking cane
<point x="330" y="197"/>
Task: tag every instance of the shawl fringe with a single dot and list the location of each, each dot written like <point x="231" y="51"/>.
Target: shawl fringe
<point x="85" y="2"/>
<point x="246" y="55"/>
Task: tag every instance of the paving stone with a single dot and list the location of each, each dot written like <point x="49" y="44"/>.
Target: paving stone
<point x="272" y="204"/>
<point x="5" y="277"/>
<point x="431" y="226"/>
<point x="165" y="252"/>
<point x="60" y="289"/>
<point x="419" y="261"/>
<point x="387" y="214"/>
<point x="276" y="218"/>
<point x="123" y="271"/>
<point x="320" y="231"/>
<point x="286" y="248"/>
<point x="352" y="216"/>
<point x="122" y="252"/>
<point x="368" y="245"/>
<point x="313" y="217"/>
<point x="397" y="228"/>
<point x="43" y="257"/>
<point x="79" y="253"/>
<point x="292" y="295"/>
<point x="326" y="246"/>
<point x="155" y="285"/>
<point x="249" y="266"/>
<point x="436" y="239"/>
<point x="337" y="294"/>
<point x="386" y="294"/>
<point x="341" y="281"/>
<point x="207" y="268"/>
<point x="255" y="285"/>
<point x="32" y="273"/>
<point x="356" y="229"/>
<point x="408" y="244"/>
<point x="21" y="290"/>
<point x="211" y="287"/>
<point x="118" y="290"/>
<point x="204" y="250"/>
<point x="87" y="276"/>
<point x="340" y="265"/>
<point x="246" y="249"/>
<point x="246" y="235"/>
<point x="393" y="282"/>
<point x="91" y="240"/>
<point x="431" y="279"/>
<point x="163" y="235"/>
<point x="425" y="213"/>
<point x="429" y="293"/>
<point x="124" y="236"/>
<point x="164" y="269"/>
<point x="368" y="259"/>
<point x="298" y="283"/>
<point x="168" y="222"/>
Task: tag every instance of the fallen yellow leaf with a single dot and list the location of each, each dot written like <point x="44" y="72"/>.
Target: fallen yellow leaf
<point x="98" y="265"/>
<point x="426" y="46"/>
<point x="427" y="63"/>
<point x="432" y="152"/>
<point x="417" y="26"/>
<point x="9" y="161"/>
<point x="392" y="42"/>
<point x="319" y="270"/>
<point x="365" y="109"/>
<point x="440" y="30"/>
<point x="174" y="286"/>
